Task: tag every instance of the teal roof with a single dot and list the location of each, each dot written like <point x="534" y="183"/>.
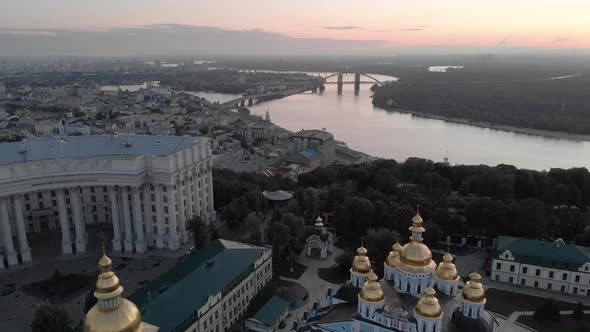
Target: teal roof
<point x="176" y="295"/>
<point x="310" y="153"/>
<point x="544" y="253"/>
<point x="271" y="311"/>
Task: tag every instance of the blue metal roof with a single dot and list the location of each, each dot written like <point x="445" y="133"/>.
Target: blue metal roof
<point x="311" y="153"/>
<point x="175" y="296"/>
<point x="48" y="148"/>
<point x="272" y="310"/>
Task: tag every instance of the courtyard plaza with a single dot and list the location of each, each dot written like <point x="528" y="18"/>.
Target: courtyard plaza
<point x="134" y="270"/>
<point x="316" y="287"/>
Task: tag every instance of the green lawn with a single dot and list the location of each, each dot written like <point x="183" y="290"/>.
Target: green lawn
<point x="334" y="275"/>
<point x="505" y="303"/>
<point x="566" y="324"/>
<point x="59" y="288"/>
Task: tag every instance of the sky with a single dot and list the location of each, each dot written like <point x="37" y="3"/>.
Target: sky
<point x="303" y="26"/>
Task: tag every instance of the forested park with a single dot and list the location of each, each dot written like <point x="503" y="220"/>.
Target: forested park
<point x="377" y="201"/>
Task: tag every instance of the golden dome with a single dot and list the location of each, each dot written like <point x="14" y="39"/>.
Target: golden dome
<point x="361" y="263"/>
<point x="112" y="313"/>
<point x="473" y="290"/>
<point x="428" y="306"/>
<point x="446" y="269"/>
<point x="416" y="253"/>
<point x="417" y="220"/>
<point x="393" y="255"/>
<point x="415" y="257"/>
<point x="125" y="318"/>
<point x="105" y="263"/>
<point x="371" y="291"/>
<point x="319" y="222"/>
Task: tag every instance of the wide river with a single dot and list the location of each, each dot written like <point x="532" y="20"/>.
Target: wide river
<point x="354" y="120"/>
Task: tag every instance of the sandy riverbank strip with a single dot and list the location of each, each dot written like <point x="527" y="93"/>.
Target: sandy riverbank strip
<point x="481" y="124"/>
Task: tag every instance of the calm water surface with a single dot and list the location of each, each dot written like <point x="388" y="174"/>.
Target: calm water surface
<point x="354" y="120"/>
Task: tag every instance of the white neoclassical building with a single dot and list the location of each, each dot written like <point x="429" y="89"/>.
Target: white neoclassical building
<point x="147" y="187"/>
<point x="552" y="265"/>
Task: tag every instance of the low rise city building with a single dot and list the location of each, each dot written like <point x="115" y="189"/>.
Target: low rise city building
<point x="269" y="317"/>
<point x="209" y="291"/>
<point x="553" y="265"/>
<point x="312" y="148"/>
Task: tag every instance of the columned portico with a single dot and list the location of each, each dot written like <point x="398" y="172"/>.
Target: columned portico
<point x="209" y="177"/>
<point x="140" y="245"/>
<point x="23" y="245"/>
<point x="189" y="191"/>
<point x="181" y="212"/>
<point x="197" y="191"/>
<point x="11" y="256"/>
<point x="66" y="243"/>
<point x="115" y="219"/>
<point x="128" y="243"/>
<point x="173" y="241"/>
<point x="147" y="215"/>
<point x="78" y="221"/>
<point x="167" y="177"/>
<point x="203" y="194"/>
<point x="159" y="216"/>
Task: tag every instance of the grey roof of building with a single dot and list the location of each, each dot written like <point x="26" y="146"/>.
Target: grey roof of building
<point x="314" y="133"/>
<point x="52" y="148"/>
<point x="277" y="195"/>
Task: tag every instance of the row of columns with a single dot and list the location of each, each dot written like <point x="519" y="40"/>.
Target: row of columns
<point x="128" y="230"/>
<point x="6" y="231"/>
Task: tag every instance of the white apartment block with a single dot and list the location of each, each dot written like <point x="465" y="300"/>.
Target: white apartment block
<point x="551" y="265"/>
<point x="146" y="187"/>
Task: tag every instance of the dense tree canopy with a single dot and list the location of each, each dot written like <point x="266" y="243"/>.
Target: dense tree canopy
<point x="383" y="195"/>
<point x="50" y="318"/>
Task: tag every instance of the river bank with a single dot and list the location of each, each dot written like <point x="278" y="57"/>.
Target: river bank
<point x="487" y="125"/>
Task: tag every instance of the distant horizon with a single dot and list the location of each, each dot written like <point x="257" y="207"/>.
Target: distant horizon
<point x="186" y="40"/>
<point x="135" y="27"/>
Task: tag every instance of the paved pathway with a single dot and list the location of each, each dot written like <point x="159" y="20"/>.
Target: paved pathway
<point x="316" y="287"/>
<point x="537" y="292"/>
<point x="511" y="325"/>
